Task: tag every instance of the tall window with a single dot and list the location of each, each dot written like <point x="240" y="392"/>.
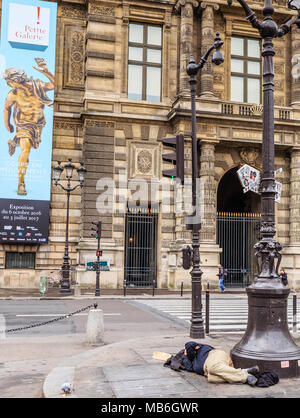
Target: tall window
<point x="245" y="70"/>
<point x="15" y="260"/>
<point x="144" y="62"/>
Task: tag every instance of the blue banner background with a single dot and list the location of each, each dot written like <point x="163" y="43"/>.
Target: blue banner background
<point x="38" y="176"/>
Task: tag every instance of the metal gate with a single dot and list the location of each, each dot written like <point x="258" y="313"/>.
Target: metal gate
<point x="140" y="247"/>
<point x="236" y="235"/>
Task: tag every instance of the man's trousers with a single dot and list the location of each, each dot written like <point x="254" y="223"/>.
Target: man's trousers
<point x="218" y="368"/>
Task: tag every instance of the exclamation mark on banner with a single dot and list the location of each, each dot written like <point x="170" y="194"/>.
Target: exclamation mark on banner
<point x="38" y="15"/>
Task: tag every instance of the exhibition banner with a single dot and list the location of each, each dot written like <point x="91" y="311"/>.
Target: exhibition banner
<point x="27" y="66"/>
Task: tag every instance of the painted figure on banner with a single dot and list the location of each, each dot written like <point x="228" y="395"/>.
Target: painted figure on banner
<point x="27" y="100"/>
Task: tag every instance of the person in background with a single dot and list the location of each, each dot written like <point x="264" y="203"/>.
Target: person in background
<point x="283" y="277"/>
<point x="222" y="273"/>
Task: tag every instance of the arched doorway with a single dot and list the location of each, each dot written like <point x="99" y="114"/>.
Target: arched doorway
<point x="238" y="226"/>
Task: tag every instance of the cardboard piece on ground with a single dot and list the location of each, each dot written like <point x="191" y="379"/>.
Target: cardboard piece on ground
<point x="159" y="355"/>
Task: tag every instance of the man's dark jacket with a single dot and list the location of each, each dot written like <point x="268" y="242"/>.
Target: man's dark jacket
<point x="197" y="357"/>
<point x="193" y="361"/>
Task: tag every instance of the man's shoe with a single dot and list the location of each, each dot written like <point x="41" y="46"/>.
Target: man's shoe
<point x="253" y="370"/>
<point x="251" y="380"/>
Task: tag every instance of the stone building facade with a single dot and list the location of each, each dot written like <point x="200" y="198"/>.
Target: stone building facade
<point x="118" y="137"/>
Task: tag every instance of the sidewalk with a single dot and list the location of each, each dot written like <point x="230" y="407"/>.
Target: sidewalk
<point x="127" y="370"/>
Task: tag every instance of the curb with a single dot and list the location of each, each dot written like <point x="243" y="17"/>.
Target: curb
<point x="55" y="379"/>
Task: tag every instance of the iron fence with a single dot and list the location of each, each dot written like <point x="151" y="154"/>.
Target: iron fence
<point x="236" y="235"/>
<point x="141" y="248"/>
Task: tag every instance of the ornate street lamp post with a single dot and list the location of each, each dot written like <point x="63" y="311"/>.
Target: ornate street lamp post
<point x="57" y="172"/>
<point x="194" y="222"/>
<point x="267" y="340"/>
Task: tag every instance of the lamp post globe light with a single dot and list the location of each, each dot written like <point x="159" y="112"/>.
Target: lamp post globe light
<point x="194" y="222"/>
<point x="267" y="340"/>
<point x="57" y="172"/>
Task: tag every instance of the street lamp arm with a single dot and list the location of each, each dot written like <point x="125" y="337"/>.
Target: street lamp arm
<point x="286" y="27"/>
<point x="60" y="185"/>
<point x="204" y="59"/>
<point x="192" y="69"/>
<point x="75" y="187"/>
<point x="250" y="15"/>
<point x="68" y="189"/>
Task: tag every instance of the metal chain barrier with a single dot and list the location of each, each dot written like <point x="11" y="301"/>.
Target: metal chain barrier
<point x="51" y="320"/>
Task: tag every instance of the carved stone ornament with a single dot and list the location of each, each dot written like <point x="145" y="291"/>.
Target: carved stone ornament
<point x="77" y="57"/>
<point x="256" y="110"/>
<point x="204" y="4"/>
<point x="74" y="56"/>
<point x="101" y="10"/>
<point x="181" y="3"/>
<point x="72" y="12"/>
<point x="249" y="155"/>
<point x="144" y="162"/>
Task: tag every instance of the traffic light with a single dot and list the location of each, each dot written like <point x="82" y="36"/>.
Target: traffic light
<point x="97" y="229"/>
<point x="186" y="257"/>
<point x="177" y="158"/>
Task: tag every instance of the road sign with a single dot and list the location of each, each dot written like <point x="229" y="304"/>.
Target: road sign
<point x="104" y="265"/>
<point x="249" y="178"/>
<point x="278" y="187"/>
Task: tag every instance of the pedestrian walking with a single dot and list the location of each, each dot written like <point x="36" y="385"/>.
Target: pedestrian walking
<point x="222" y="274"/>
<point x="283" y="277"/>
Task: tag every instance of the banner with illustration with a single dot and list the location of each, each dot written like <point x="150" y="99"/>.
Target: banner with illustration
<point x="27" y="66"/>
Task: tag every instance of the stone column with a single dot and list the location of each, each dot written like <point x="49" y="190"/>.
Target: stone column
<point x="208" y="192"/>
<point x="291" y="253"/>
<point x="209" y="250"/>
<point x="295" y="198"/>
<point x="207" y="39"/>
<point x="295" y="79"/>
<point x="186" y="8"/>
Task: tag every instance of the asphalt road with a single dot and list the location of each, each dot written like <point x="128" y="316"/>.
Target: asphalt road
<point x="27" y="356"/>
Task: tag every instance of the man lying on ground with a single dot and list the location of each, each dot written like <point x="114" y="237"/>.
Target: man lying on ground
<point x="216" y="365"/>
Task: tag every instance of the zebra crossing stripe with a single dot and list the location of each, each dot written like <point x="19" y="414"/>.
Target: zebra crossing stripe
<point x="226" y="315"/>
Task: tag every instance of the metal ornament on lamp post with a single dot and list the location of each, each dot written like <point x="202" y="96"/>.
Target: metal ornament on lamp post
<point x="57" y="172"/>
<point x="267" y="340"/>
<point x="194" y="221"/>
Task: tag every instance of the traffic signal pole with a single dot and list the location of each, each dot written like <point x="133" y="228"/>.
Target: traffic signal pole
<point x="97" y="290"/>
<point x="197" y="328"/>
<point x="97" y="235"/>
<point x="194" y="222"/>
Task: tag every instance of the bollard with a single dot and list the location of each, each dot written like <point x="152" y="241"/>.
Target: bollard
<point x="43" y="285"/>
<point x="294" y="313"/>
<point x="181" y="290"/>
<point x="207" y="309"/>
<point x="2" y="327"/>
<point x="153" y="287"/>
<point x="124" y="287"/>
<point x="95" y="327"/>
<point x="77" y="290"/>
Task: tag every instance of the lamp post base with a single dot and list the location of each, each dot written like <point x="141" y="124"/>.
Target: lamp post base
<point x="267" y="341"/>
<point x="65" y="286"/>
<point x="65" y="291"/>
